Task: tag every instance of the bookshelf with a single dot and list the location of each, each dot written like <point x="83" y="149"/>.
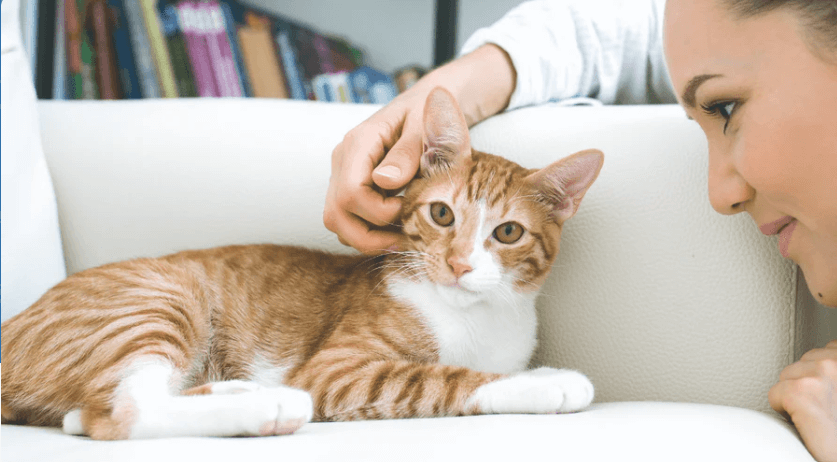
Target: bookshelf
<point x="118" y="49"/>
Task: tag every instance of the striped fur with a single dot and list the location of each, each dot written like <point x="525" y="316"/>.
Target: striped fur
<point x="109" y="350"/>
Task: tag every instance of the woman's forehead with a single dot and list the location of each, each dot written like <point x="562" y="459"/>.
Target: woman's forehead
<point x="703" y="38"/>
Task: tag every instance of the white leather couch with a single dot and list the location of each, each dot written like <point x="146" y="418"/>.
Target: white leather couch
<point x="682" y="318"/>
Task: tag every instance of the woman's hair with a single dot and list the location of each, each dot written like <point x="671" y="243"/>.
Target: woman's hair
<point x="818" y="16"/>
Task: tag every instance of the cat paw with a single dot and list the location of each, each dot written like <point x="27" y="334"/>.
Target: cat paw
<point x="72" y="423"/>
<point x="540" y="391"/>
<point x="231" y="387"/>
<point x="276" y="411"/>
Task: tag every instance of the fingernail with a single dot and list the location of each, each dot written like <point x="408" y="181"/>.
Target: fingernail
<point x="393" y="248"/>
<point x="389" y="171"/>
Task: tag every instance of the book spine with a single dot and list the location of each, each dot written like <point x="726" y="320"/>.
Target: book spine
<point x="124" y="52"/>
<point x="320" y="85"/>
<point x="341" y="87"/>
<point x="262" y="62"/>
<point x="88" y="70"/>
<point x="159" y="52"/>
<point x="341" y="55"/>
<point x="43" y="42"/>
<point x="225" y="62"/>
<point x="107" y="78"/>
<point x="177" y="51"/>
<point x="293" y="75"/>
<point x="323" y="54"/>
<point x="73" y="25"/>
<point x="146" y="72"/>
<point x="213" y="53"/>
<point x="59" y="67"/>
<point x="235" y="48"/>
<point x="196" y="47"/>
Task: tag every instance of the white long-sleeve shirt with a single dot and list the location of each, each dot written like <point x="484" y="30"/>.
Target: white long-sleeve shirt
<point x="609" y="50"/>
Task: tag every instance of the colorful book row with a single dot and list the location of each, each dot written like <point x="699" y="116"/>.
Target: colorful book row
<point x="129" y="49"/>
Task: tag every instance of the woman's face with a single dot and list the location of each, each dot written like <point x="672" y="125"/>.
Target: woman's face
<point x="768" y="106"/>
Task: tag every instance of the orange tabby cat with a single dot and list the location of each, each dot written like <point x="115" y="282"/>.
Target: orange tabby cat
<point x="260" y="339"/>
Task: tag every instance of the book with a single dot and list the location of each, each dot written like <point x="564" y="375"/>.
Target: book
<point x="73" y="49"/>
<point x="261" y="62"/>
<point x="43" y="49"/>
<point x="99" y="25"/>
<point x="293" y="73"/>
<point x="59" y="66"/>
<point x="219" y="49"/>
<point x="146" y="71"/>
<point x="126" y="67"/>
<point x="406" y="77"/>
<point x="235" y="47"/>
<point x="322" y="88"/>
<point x="176" y="44"/>
<point x="372" y="86"/>
<point x="308" y="56"/>
<point x="342" y="56"/>
<point x="196" y="47"/>
<point x="88" y="86"/>
<point x="159" y="51"/>
<point x="342" y="88"/>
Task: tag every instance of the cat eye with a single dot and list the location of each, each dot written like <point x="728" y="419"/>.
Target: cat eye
<point x="508" y="233"/>
<point x="441" y="213"/>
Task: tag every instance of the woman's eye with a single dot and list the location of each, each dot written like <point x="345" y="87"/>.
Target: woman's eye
<point x="726" y="109"/>
<point x="441" y="214"/>
<point x="723" y="109"/>
<point x="508" y="233"/>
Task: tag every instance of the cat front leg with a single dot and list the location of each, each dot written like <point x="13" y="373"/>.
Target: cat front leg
<point x="363" y="388"/>
<point x="356" y="387"/>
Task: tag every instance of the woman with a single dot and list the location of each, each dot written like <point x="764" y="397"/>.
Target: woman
<point x="760" y="77"/>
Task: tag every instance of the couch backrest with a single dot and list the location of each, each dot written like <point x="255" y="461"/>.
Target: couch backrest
<point x="653" y="295"/>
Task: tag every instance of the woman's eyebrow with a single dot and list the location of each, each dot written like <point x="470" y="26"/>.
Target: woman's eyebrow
<point x="688" y="96"/>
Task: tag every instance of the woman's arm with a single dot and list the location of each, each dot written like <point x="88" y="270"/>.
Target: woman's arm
<point x="608" y="50"/>
<point x="539" y="51"/>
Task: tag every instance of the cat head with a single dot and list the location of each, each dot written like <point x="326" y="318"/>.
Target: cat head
<point x="480" y="223"/>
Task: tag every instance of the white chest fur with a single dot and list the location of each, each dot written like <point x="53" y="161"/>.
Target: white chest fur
<point x="490" y="334"/>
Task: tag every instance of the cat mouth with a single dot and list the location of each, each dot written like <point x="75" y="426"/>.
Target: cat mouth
<point x="457" y="285"/>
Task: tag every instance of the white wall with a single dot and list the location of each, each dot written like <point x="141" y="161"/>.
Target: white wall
<point x="393" y="33"/>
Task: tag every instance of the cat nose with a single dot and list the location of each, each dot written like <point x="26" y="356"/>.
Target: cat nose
<point x="459" y="266"/>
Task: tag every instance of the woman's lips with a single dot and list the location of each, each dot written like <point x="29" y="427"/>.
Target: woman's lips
<point x="785" y="236"/>
<point x="770" y="229"/>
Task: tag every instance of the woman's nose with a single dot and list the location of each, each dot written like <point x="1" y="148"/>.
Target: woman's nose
<point x="728" y="190"/>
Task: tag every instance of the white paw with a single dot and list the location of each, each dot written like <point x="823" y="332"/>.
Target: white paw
<point x="540" y="391"/>
<point x="231" y="387"/>
<point x="72" y="423"/>
<point x="275" y="411"/>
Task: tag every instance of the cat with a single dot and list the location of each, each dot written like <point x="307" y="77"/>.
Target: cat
<point x="261" y="339"/>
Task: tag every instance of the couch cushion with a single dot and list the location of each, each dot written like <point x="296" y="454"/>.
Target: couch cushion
<point x="654" y="295"/>
<point x="651" y="432"/>
<point x="32" y="259"/>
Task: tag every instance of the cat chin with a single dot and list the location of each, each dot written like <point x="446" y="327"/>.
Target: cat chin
<point x="459" y="295"/>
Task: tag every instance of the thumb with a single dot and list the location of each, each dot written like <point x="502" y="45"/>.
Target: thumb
<point x="401" y="163"/>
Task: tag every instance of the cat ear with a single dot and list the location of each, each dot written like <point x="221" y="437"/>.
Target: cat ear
<point x="446" y="139"/>
<point x="563" y="184"/>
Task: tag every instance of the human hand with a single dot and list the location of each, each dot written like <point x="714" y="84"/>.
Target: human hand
<point x="381" y="155"/>
<point x="807" y="394"/>
<point x="375" y="160"/>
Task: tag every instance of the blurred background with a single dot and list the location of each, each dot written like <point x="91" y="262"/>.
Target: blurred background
<point x="332" y="50"/>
